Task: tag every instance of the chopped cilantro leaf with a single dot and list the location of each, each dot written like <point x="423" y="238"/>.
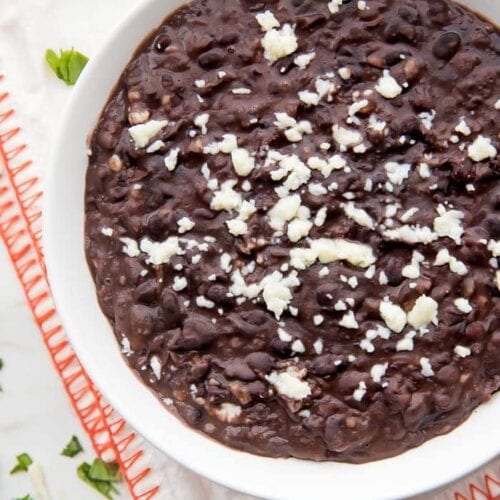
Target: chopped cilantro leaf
<point x="102" y="471"/>
<point x="100" y="476"/>
<point x="67" y="65"/>
<point x="25" y="497"/>
<point x="72" y="448"/>
<point x="23" y="463"/>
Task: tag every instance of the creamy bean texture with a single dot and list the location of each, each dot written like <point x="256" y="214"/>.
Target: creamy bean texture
<point x="293" y="221"/>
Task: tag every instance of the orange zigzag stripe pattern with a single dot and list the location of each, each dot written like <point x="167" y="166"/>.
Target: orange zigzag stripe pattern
<point x="490" y="491"/>
<point x="20" y="230"/>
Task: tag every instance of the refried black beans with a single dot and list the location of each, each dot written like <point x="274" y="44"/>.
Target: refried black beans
<point x="293" y="221"/>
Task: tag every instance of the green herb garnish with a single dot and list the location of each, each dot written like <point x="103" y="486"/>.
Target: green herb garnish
<point x="72" y="448"/>
<point x="25" y="497"/>
<point x="67" y="65"/>
<point x="23" y="463"/>
<point x="1" y="363"/>
<point x="100" y="476"/>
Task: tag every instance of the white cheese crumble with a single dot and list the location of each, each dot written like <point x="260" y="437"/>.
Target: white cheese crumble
<point x="318" y="346"/>
<point x="463" y="305"/>
<point x="356" y="107"/>
<point x="424" y="170"/>
<point x="237" y="227"/>
<point x="171" y="159"/>
<point x="456" y="266"/>
<point x="228" y="412"/>
<point x="345" y="73"/>
<point x="226" y="198"/>
<point x="320" y="218"/>
<point x="423" y="312"/>
<point x="225" y="262"/>
<point x="494" y="247"/>
<point x="130" y="248"/>
<point x="243" y="162"/>
<point x="334" y="6"/>
<point x="156" y="146"/>
<point x="481" y="149"/>
<point x="302" y="258"/>
<point x="267" y="20"/>
<point x="290" y="383"/>
<point x="333" y="250"/>
<point x="298" y="229"/>
<point x="426" y="367"/>
<point x="161" y="252"/>
<point x="412" y="271"/>
<point x="349" y="321"/>
<point x="366" y="344"/>
<point x="318" y="319"/>
<point x="449" y="224"/>
<point x="204" y="303"/>
<point x="303" y="60"/>
<point x="345" y="137"/>
<point x="298" y="346"/>
<point x="155" y="366"/>
<point x="294" y="131"/>
<point x="180" y="283"/>
<point x="201" y="122"/>
<point x="360" y="391"/>
<point x="378" y="371"/>
<point x="107" y="231"/>
<point x="427" y="118"/>
<point x="185" y="224"/>
<point x="276" y="291"/>
<point x="144" y="132"/>
<point x="406" y="343"/>
<point x="393" y="315"/>
<point x="309" y="98"/>
<point x="397" y="172"/>
<point x="387" y="86"/>
<point x="411" y="234"/>
<point x="463" y="128"/>
<point x="278" y="43"/>
<point x="283" y="211"/>
<point x="241" y="91"/>
<point x="358" y="215"/>
<point x="284" y="336"/>
<point x="336" y="162"/>
<point x="461" y="351"/>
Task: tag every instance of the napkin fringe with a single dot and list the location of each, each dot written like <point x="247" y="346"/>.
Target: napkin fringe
<point x="20" y="230"/>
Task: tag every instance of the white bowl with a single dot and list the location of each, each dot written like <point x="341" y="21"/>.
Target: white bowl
<point x="433" y="464"/>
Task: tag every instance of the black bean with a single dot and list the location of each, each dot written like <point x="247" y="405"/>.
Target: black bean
<point x="146" y="292"/>
<point x="420" y="405"/>
<point x="241" y="371"/>
<point x="142" y="319"/>
<point x="447" y="45"/>
<point x="197" y="333"/>
<point x="212" y="59"/>
<point x="162" y="42"/>
<point x="260" y="361"/>
<point x="171" y="308"/>
<point x="326" y="295"/>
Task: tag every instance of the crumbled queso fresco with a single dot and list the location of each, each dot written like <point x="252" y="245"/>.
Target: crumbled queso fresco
<point x="293" y="221"/>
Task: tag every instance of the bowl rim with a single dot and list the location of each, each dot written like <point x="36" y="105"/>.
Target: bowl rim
<point x="216" y="459"/>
